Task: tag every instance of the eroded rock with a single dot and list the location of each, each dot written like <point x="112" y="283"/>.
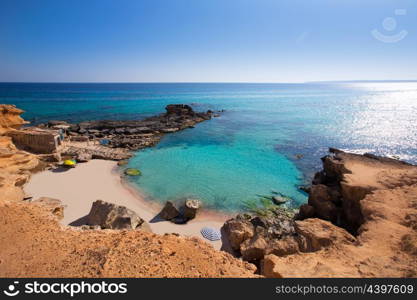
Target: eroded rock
<point x="111" y="216"/>
<point x="191" y="207"/>
<point x="169" y="211"/>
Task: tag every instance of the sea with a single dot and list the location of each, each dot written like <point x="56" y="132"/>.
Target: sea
<point x="268" y="139"/>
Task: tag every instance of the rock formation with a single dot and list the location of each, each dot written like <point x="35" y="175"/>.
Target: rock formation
<point x="373" y="198"/>
<point x="169" y="211"/>
<point x="180" y="215"/>
<point x="15" y="165"/>
<point x="10" y="118"/>
<point x="191" y="207"/>
<point x="112" y="216"/>
<point x="131" y="135"/>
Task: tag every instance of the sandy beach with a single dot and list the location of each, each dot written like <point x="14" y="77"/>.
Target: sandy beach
<point x="79" y="187"/>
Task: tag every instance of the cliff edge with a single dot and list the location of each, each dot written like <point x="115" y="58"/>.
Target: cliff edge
<point x="373" y="201"/>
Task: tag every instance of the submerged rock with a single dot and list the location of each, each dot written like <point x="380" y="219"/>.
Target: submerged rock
<point x="133" y="172"/>
<point x="278" y="200"/>
<point x="111" y="216"/>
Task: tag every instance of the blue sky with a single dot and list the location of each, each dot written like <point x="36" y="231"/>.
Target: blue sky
<point x="205" y="40"/>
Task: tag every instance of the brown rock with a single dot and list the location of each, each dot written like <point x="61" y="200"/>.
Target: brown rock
<point x="320" y="234"/>
<point x="190" y="208"/>
<point x="321" y="199"/>
<point x="270" y="266"/>
<point x="169" y="211"/>
<point x="285" y="246"/>
<point x="254" y="249"/>
<point x="10" y="118"/>
<point x="237" y="231"/>
<point x="306" y="211"/>
<point x="112" y="216"/>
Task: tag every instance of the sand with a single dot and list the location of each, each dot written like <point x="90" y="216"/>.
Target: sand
<point x="79" y="187"/>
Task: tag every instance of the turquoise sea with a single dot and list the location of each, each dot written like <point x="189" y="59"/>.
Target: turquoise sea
<point x="251" y="149"/>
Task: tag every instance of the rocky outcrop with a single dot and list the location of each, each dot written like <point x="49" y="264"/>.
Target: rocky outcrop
<point x="111" y="216"/>
<point x="10" y="118"/>
<point x="255" y="237"/>
<point x="360" y="221"/>
<point x="15" y="170"/>
<point x="114" y="140"/>
<point x="169" y="211"/>
<point x="182" y="214"/>
<point x="345" y="180"/>
<point x="139" y="134"/>
<point x="191" y="207"/>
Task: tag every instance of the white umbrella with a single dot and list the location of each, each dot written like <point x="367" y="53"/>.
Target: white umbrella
<point x="212" y="234"/>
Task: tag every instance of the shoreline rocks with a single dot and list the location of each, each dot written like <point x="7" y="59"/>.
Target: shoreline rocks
<point x="181" y="215"/>
<point x="111" y="216"/>
<point x="114" y="139"/>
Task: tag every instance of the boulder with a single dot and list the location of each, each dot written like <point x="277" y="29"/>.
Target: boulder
<point x="306" y="211"/>
<point x="254" y="249"/>
<point x="190" y="208"/>
<point x="320" y="234"/>
<point x="237" y="231"/>
<point x="285" y="246"/>
<point x="111" y="216"/>
<point x="169" y="211"/>
<point x="278" y="200"/>
<point x="270" y="266"/>
<point x="54" y="206"/>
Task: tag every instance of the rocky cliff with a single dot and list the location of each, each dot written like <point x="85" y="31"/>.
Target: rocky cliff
<point x="360" y="221"/>
<point x="10" y="118"/>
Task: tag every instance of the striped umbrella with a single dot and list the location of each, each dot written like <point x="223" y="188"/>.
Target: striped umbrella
<point x="211" y="234"/>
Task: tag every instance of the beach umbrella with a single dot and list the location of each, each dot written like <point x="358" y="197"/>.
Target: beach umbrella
<point x="212" y="234"/>
<point x="69" y="163"/>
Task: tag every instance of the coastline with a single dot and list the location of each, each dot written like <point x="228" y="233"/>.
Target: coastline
<point x="79" y="187"/>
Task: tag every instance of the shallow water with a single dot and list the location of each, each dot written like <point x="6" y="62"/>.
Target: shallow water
<point x="251" y="148"/>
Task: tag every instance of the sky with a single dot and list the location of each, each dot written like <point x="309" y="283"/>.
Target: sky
<point x="207" y="40"/>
